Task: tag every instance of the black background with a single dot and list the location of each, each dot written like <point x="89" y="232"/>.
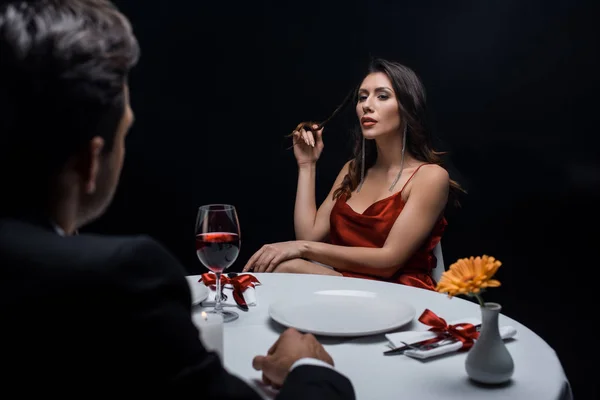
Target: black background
<point x="512" y="91"/>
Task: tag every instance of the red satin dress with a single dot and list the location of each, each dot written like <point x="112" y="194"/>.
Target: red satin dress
<point x="371" y="229"/>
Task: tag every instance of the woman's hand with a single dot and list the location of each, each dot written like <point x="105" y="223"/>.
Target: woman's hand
<point x="308" y="145"/>
<point x="271" y="255"/>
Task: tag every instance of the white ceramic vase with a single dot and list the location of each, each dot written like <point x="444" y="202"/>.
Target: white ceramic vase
<point x="489" y="361"/>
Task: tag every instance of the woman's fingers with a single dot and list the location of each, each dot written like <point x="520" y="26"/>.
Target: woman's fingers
<point x="273" y="263"/>
<point x="319" y="133"/>
<point x="297" y="137"/>
<point x="311" y="138"/>
<point x="260" y="265"/>
<point x="270" y="263"/>
<point x="251" y="264"/>
<point x="305" y="136"/>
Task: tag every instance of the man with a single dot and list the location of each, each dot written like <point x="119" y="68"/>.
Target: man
<point x="89" y="315"/>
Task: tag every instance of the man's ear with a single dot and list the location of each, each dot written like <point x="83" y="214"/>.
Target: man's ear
<point x="91" y="164"/>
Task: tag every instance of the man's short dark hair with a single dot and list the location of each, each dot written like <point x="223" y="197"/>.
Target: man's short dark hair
<point x="63" y="68"/>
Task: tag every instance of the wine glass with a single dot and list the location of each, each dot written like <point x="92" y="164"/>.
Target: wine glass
<point x="218" y="245"/>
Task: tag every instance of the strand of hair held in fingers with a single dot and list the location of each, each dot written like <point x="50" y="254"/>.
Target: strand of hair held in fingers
<point x="309" y="125"/>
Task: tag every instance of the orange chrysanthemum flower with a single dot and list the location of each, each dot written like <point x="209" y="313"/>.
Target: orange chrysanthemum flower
<point x="469" y="276"/>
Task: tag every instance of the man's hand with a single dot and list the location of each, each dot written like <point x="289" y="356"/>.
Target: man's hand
<point x="289" y="348"/>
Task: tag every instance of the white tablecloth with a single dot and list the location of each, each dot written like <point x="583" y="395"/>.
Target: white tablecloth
<point x="538" y="372"/>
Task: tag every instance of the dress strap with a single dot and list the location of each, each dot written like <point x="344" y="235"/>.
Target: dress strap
<point x="413" y="174"/>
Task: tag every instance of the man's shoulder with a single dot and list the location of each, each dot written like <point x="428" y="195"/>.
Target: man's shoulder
<point x="28" y="243"/>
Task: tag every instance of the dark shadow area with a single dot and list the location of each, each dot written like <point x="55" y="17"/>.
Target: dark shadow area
<point x="512" y="89"/>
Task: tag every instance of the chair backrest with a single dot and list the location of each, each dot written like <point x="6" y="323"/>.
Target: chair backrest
<point x="439" y="267"/>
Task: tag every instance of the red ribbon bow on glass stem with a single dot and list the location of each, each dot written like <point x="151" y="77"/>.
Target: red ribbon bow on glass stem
<point x="239" y="283"/>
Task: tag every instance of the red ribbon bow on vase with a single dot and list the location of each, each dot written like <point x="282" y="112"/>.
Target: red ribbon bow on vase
<point x="239" y="283"/>
<point x="466" y="333"/>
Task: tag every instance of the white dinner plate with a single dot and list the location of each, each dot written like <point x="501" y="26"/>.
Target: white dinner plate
<point x="342" y="313"/>
<point x="198" y="289"/>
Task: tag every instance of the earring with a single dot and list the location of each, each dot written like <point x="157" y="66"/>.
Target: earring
<point x="362" y="166"/>
<point x="401" y="161"/>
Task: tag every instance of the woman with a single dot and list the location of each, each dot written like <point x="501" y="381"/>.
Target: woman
<point x="384" y="213"/>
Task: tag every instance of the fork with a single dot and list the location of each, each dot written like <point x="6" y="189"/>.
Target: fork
<point x="426" y="346"/>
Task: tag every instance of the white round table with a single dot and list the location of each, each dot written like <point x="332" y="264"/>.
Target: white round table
<point x="538" y="372"/>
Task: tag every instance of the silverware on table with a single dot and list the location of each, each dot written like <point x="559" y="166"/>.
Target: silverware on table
<point x="425" y="344"/>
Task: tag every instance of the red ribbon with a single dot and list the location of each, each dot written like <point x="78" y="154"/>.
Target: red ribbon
<point x="466" y="333"/>
<point x="239" y="283"/>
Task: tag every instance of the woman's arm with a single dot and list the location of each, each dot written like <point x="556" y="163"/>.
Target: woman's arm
<point x="310" y="224"/>
<point x="425" y="204"/>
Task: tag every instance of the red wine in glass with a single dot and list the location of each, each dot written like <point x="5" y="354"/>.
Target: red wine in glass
<point x="217" y="250"/>
<point x="218" y="245"/>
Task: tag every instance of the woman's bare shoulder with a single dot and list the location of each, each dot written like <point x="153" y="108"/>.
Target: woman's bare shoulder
<point x="432" y="176"/>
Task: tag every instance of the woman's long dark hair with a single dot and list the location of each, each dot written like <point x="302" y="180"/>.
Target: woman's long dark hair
<point x="411" y="103"/>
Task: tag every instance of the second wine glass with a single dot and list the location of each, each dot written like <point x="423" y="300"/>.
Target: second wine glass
<point x="218" y="245"/>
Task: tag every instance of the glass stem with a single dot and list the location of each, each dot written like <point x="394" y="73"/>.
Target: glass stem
<point x="219" y="295"/>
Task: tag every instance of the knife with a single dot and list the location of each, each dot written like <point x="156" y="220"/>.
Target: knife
<point x="426" y="342"/>
<point x="238" y="296"/>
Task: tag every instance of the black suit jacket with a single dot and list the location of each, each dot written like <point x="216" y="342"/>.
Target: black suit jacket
<point x="90" y="315"/>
